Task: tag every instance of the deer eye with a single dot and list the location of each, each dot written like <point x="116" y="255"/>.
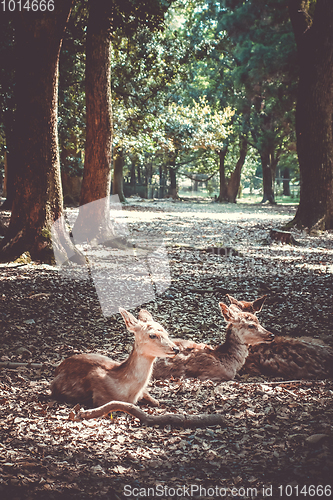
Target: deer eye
<point x="251" y="326"/>
<point x="153" y="336"/>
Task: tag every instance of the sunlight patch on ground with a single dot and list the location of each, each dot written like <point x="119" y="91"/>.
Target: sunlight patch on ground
<point x="200" y="214"/>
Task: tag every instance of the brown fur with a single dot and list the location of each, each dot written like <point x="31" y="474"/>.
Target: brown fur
<point x="223" y="362"/>
<point x="290" y="358"/>
<point x="96" y="379"/>
<point x="252" y="307"/>
<point x="287" y="357"/>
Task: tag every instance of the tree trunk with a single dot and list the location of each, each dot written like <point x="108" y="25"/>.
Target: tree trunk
<point x="234" y="181"/>
<point x="133" y="178"/>
<point x="286" y="180"/>
<point x="173" y="183"/>
<point x="93" y="221"/>
<point x="223" y="185"/>
<point x="172" y="190"/>
<point x="138" y="169"/>
<point x="162" y="182"/>
<point x="37" y="200"/>
<point x="314" y="111"/>
<point x="268" y="175"/>
<point x="9" y="190"/>
<point x="118" y="176"/>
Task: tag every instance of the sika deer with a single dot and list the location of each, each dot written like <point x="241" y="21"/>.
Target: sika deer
<point x="290" y="358"/>
<point x="287" y="357"/>
<point x="251" y="307"/>
<point x="91" y="377"/>
<point x="220" y="363"/>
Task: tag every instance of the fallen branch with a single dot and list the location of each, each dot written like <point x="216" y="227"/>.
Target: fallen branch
<point x="282" y="382"/>
<point x="173" y="419"/>
<point x="17" y="364"/>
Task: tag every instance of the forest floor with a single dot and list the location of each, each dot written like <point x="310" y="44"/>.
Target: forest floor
<point x="277" y="441"/>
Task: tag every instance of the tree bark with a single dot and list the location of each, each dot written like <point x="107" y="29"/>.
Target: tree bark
<point x="138" y="169"/>
<point x="172" y="191"/>
<point x="223" y="185"/>
<point x="314" y="111"/>
<point x="268" y="176"/>
<point x="234" y="181"/>
<point x="9" y="171"/>
<point x="173" y="183"/>
<point x="37" y="200"/>
<point x="94" y="221"/>
<point x="118" y="176"/>
<point x="133" y="177"/>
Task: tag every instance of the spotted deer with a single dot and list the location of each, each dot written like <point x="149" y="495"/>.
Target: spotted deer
<point x="219" y="363"/>
<point x="96" y="379"/>
<point x="288" y="358"/>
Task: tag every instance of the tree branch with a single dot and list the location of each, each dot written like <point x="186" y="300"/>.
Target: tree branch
<point x="173" y="419"/>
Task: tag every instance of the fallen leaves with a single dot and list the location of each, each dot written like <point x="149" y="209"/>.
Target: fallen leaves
<point x="276" y="432"/>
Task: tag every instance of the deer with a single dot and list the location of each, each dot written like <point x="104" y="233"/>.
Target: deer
<point x="287" y="357"/>
<point x="222" y="362"/>
<point x="95" y="380"/>
<point x="251" y="307"/>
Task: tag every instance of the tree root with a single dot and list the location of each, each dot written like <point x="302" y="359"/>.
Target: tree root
<point x="283" y="237"/>
<point x="175" y="420"/>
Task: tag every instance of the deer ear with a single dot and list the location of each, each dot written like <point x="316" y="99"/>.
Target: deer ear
<point x="258" y="303"/>
<point x="235" y="301"/>
<point x="130" y="321"/>
<point x="228" y="314"/>
<point x="145" y="316"/>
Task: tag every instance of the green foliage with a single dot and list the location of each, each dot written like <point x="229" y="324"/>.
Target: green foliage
<point x="188" y="77"/>
<point x="71" y="121"/>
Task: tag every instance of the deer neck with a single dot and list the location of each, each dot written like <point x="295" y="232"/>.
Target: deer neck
<point x="135" y="373"/>
<point x="233" y="347"/>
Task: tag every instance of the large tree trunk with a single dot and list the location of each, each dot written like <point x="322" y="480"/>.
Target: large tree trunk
<point x="8" y="66"/>
<point x="223" y="185"/>
<point x="38" y="197"/>
<point x="172" y="191"/>
<point x="234" y="181"/>
<point x="118" y="175"/>
<point x="93" y="221"/>
<point x="314" y="111"/>
<point x="9" y="170"/>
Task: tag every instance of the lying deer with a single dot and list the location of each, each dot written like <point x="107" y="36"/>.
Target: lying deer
<point x="86" y="378"/>
<point x="286" y="357"/>
<point x="219" y="363"/>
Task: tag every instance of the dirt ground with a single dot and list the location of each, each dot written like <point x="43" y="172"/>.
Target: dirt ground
<point x="277" y="441"/>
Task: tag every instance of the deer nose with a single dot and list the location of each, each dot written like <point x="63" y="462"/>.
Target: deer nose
<point x="175" y="350"/>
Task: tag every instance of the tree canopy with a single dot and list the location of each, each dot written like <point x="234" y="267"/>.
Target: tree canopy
<point x="196" y="87"/>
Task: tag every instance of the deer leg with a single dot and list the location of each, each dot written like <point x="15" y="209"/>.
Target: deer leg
<point x="147" y="397"/>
